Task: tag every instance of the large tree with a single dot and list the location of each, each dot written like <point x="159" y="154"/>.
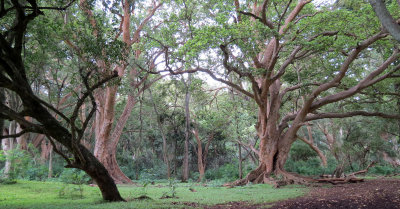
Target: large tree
<point x="14" y="78"/>
<point x="296" y="63"/>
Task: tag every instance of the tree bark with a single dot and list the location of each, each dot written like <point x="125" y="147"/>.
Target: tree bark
<point x="6" y="146"/>
<point x="240" y="161"/>
<point x="185" y="166"/>
<point x="200" y="163"/>
<point x="386" y="19"/>
<point x="163" y="136"/>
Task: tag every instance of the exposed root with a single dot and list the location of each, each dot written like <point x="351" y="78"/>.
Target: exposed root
<point x="282" y="178"/>
<point x="260" y="176"/>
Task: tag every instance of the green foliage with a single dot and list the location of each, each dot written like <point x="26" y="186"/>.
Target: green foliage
<point x="301" y="151"/>
<point x="310" y="167"/>
<point x="171" y="193"/>
<point x="74" y="176"/>
<point x="383" y="169"/>
<point x="73" y="180"/>
<point x="22" y="165"/>
<point x="227" y="172"/>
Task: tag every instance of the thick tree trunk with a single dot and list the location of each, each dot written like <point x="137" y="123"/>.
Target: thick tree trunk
<point x="106" y="139"/>
<point x="83" y="158"/>
<point x="100" y="175"/>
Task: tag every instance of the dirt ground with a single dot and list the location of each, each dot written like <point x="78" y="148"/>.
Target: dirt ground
<point x="371" y="194"/>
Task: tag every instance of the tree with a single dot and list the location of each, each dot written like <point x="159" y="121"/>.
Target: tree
<point x="14" y="78"/>
<point x="107" y="130"/>
<point x="297" y="62"/>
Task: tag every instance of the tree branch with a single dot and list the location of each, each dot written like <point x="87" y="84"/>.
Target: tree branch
<point x="386" y="19"/>
<point x="350" y="114"/>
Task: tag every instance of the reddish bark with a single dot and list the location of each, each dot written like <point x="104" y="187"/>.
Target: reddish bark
<point x="107" y="138"/>
<point x="202" y="153"/>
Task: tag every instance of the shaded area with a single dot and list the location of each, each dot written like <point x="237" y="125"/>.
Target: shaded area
<point x="371" y="194"/>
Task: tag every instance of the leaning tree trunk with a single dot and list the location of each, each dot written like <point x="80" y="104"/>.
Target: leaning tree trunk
<point x="83" y="158"/>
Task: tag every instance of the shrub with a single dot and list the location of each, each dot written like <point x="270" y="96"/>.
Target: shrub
<point x="73" y="183"/>
<point x="20" y="161"/>
<point x="227" y="172"/>
<point x="383" y="169"/>
<point x="74" y="176"/>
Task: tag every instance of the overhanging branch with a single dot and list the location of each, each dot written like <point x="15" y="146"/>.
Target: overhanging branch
<point x="350" y="114"/>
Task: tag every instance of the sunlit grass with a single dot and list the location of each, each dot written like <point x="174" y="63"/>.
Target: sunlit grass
<point x="31" y="194"/>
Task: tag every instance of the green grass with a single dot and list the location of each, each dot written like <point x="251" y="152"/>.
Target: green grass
<point x="31" y="194"/>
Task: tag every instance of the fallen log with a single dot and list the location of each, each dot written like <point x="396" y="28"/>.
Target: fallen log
<point x="350" y="178"/>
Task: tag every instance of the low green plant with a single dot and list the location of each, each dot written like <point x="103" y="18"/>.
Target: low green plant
<point x="71" y="191"/>
<point x="19" y="160"/>
<point x="172" y="189"/>
<point x="73" y="180"/>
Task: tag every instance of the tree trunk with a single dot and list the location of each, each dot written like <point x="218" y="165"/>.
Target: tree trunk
<point x="185" y="166"/>
<point x="50" y="171"/>
<point x="100" y="175"/>
<point x="22" y="140"/>
<point x="163" y="136"/>
<point x="240" y="161"/>
<point x="83" y="158"/>
<point x="106" y="139"/>
<point x="6" y="145"/>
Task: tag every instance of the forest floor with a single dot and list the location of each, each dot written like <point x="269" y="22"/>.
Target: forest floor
<point x="382" y="193"/>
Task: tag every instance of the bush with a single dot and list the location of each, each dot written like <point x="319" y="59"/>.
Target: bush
<point x="311" y="166"/>
<point x="74" y="176"/>
<point x="227" y="172"/>
<point x="73" y="183"/>
<point x="20" y="161"/>
<point x="383" y="169"/>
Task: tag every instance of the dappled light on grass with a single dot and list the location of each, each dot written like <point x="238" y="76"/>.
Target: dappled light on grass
<point x="31" y="194"/>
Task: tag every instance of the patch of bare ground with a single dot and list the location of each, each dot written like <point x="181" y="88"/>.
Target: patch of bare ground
<point x="370" y="194"/>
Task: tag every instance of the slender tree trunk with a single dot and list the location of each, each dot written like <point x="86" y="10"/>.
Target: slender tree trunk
<point x="240" y="161"/>
<point x="164" y="138"/>
<point x="22" y="140"/>
<point x="6" y="145"/>
<point x="185" y="166"/>
<point x="200" y="164"/>
<point x="397" y="87"/>
<point x="50" y="171"/>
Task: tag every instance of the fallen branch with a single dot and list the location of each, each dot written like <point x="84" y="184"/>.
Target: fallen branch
<point x="350" y="178"/>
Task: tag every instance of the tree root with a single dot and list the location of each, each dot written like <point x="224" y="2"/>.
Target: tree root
<point x="282" y="178"/>
<point x="260" y="176"/>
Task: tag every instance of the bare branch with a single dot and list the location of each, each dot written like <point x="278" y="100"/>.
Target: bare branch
<point x="350" y="114"/>
<point x="14" y="135"/>
<point x="209" y="72"/>
<point x="366" y="82"/>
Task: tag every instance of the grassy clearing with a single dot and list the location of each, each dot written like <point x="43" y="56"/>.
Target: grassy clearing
<point x="31" y="194"/>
